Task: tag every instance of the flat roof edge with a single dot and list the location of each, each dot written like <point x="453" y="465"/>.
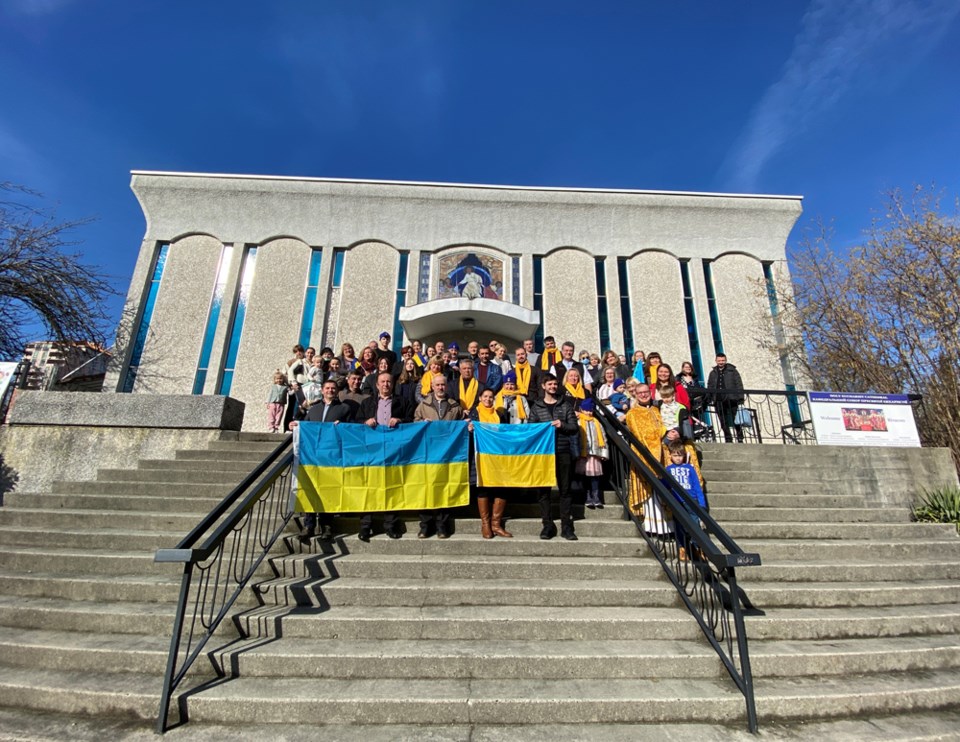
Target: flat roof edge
<point x="555" y="189"/>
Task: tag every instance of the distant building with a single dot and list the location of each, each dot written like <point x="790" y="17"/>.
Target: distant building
<point x="236" y="269"/>
<point x="65" y="366"/>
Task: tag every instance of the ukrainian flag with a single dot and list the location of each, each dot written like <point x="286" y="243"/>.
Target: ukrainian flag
<point x="349" y="468"/>
<point x="515" y="455"/>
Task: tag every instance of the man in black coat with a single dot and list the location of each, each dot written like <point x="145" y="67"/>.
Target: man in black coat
<point x="384" y="409"/>
<point x="326" y="410"/>
<point x="725" y="378"/>
<point x="558" y="411"/>
<point x="568" y="363"/>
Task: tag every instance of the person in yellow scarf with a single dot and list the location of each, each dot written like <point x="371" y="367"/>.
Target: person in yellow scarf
<point x="512" y="401"/>
<point x="593" y="452"/>
<point x="491" y="519"/>
<point x="467" y="390"/>
<point x="645" y="423"/>
<point x="573" y="387"/>
<point x="434" y="368"/>
<point x="551" y="354"/>
<point x="528" y="375"/>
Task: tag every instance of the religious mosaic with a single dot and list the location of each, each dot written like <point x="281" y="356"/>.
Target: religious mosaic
<point x="469" y="275"/>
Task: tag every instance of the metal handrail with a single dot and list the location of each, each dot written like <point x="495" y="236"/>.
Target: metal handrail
<point x="707" y="582"/>
<point x="250" y="520"/>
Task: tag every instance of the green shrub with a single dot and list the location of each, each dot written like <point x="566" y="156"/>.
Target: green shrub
<point x="940" y="505"/>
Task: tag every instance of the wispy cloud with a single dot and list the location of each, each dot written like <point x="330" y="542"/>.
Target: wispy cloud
<point x="840" y="45"/>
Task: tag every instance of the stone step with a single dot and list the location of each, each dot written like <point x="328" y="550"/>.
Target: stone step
<point x="826" y="478"/>
<point x="160" y="587"/>
<point x="851" y="571"/>
<point x="893" y="621"/>
<point x="102" y="694"/>
<point x="171" y="476"/>
<point x="62" y="614"/>
<point x="590" y="659"/>
<point x="834" y="550"/>
<point x="446" y="567"/>
<point x="264" y="448"/>
<point x="171" y="502"/>
<point x="57" y="522"/>
<point x="446" y="701"/>
<point x="724" y="515"/>
<point x="834" y="594"/>
<point x="90" y="562"/>
<point x="414" y="592"/>
<point x="471" y="543"/>
<point x="846" y="531"/>
<point x="82" y="539"/>
<point x="86" y="652"/>
<point x="182" y="490"/>
<point x="224" y="455"/>
<point x="794" y="502"/>
<point x="237" y="468"/>
<point x="799" y="489"/>
<point x="475" y="622"/>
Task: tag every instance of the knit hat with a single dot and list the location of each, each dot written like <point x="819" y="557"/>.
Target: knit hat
<point x="510" y="378"/>
<point x="454" y="346"/>
<point x="586" y="405"/>
<point x="617" y="383"/>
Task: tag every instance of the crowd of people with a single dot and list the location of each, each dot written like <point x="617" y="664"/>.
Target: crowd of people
<point x="488" y="384"/>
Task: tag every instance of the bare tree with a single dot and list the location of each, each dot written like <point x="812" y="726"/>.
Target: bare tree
<point x="884" y="317"/>
<point x="41" y="281"/>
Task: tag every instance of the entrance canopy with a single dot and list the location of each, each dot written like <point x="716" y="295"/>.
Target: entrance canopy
<point x="458" y="317"/>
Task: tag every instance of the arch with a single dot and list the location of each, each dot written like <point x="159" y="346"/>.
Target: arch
<point x="276" y="237"/>
<point x="643" y="250"/>
<point x="371" y="241"/>
<point x="195" y="233"/>
<point x="576" y="248"/>
<point x="742" y="253"/>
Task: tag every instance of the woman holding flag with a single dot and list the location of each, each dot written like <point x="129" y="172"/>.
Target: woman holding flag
<point x="491" y="520"/>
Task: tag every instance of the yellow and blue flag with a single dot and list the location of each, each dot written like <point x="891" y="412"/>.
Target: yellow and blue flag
<point x="351" y="468"/>
<point x="515" y="455"/>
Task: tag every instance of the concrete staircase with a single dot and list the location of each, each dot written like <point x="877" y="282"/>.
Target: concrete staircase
<point x="470" y="637"/>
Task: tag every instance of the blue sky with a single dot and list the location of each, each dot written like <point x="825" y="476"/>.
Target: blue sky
<point x="835" y="100"/>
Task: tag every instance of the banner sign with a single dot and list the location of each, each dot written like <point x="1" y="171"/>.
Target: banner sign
<point x="841" y="419"/>
<point x="350" y="468"/>
<point x="6" y="374"/>
<point x="515" y="455"/>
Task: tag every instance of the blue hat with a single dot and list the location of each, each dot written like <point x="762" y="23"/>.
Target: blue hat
<point x="587" y="405"/>
<point x="454" y="346"/>
<point x="510" y="378"/>
<point x="384" y="334"/>
<point x="617" y="383"/>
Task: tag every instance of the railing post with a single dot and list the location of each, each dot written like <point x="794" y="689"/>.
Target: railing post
<point x="174" y="648"/>
<point x="745" y="672"/>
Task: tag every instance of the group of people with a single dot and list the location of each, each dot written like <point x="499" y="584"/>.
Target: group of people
<point x="486" y="384"/>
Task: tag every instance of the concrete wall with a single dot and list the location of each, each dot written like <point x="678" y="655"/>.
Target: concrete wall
<point x="570" y="298"/>
<point x="369" y="294"/>
<point x="170" y="355"/>
<point x="656" y="297"/>
<point x="55" y="436"/>
<point x="272" y="324"/>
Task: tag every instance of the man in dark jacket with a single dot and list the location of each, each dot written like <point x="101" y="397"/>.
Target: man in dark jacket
<point x="567" y="363"/>
<point x="383" y="409"/>
<point x="726" y="379"/>
<point x="326" y="410"/>
<point x="550" y="408"/>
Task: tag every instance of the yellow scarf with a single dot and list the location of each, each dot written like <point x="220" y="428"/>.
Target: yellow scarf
<point x="468" y="395"/>
<point x="523" y="377"/>
<point x="549" y="359"/>
<point x="499" y="402"/>
<point x="425" y="387"/>
<point x="488" y="415"/>
<point x="653" y="375"/>
<point x="597" y="431"/>
<point x="575" y="391"/>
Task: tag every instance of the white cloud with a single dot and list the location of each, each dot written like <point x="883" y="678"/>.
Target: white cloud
<point x="840" y="45"/>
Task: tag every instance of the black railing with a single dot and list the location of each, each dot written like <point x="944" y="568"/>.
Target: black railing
<point x="237" y="536"/>
<point x="697" y="555"/>
<point x="751" y="416"/>
<point x="18" y="380"/>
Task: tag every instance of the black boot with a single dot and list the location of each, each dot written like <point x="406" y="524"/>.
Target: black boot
<point x="549" y="530"/>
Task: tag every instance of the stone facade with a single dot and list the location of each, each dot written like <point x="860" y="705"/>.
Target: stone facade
<point x="540" y="245"/>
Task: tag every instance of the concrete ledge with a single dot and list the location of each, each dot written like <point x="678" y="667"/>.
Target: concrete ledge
<point x="183" y="411"/>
